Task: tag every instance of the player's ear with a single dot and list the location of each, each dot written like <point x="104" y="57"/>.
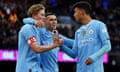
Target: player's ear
<point x="83" y="12"/>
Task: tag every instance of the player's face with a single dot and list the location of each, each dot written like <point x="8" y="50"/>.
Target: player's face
<point x="52" y="21"/>
<point x="78" y="14"/>
<point x="41" y="15"/>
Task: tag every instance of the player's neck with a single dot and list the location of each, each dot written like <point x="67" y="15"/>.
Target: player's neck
<point x="86" y="20"/>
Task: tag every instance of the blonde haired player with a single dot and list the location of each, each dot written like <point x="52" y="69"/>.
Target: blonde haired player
<point x="29" y="43"/>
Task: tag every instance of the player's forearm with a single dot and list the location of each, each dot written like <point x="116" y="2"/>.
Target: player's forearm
<point x="38" y="49"/>
<point x="68" y="42"/>
<point x="29" y="20"/>
<point x="106" y="48"/>
<point x="68" y="51"/>
<point x="46" y="48"/>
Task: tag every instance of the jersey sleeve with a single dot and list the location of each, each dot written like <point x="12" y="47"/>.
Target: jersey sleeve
<point x="104" y="39"/>
<point x="71" y="52"/>
<point x="28" y="32"/>
<point x="29" y="20"/>
<point x="103" y="33"/>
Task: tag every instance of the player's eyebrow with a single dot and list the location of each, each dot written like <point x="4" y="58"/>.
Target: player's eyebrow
<point x="53" y="19"/>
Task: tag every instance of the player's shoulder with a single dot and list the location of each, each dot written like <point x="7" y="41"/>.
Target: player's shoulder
<point x="26" y="28"/>
<point x="98" y="22"/>
<point x="78" y="30"/>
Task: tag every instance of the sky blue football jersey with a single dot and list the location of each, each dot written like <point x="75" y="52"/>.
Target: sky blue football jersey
<point x="91" y="40"/>
<point x="49" y="59"/>
<point x="27" y="60"/>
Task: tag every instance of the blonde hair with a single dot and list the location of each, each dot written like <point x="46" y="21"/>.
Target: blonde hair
<point x="34" y="9"/>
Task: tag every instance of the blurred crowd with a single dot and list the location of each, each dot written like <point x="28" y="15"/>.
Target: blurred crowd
<point x="13" y="11"/>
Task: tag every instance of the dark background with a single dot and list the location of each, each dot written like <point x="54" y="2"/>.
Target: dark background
<point x="13" y="11"/>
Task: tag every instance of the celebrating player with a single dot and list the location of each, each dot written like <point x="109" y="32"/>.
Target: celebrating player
<point x="91" y="40"/>
<point x="49" y="58"/>
<point x="30" y="43"/>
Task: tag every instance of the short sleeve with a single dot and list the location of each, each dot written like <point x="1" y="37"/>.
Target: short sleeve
<point x="28" y="31"/>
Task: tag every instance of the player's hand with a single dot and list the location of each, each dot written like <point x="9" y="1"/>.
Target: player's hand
<point x="88" y="61"/>
<point x="55" y="32"/>
<point x="55" y="35"/>
<point x="40" y="23"/>
<point x="58" y="41"/>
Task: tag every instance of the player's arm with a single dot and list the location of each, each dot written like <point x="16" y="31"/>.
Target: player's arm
<point x="106" y="45"/>
<point x="71" y="52"/>
<point x="67" y="41"/>
<point x="29" y="20"/>
<point x="38" y="48"/>
<point x="29" y="36"/>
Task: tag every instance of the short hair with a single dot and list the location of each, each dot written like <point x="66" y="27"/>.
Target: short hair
<point x="34" y="9"/>
<point x="49" y="13"/>
<point x="83" y="5"/>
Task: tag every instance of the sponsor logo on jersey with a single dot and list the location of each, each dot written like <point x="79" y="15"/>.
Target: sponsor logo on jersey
<point x="85" y="42"/>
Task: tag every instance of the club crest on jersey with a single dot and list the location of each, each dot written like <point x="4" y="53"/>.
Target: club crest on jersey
<point x="91" y="31"/>
<point x="83" y="33"/>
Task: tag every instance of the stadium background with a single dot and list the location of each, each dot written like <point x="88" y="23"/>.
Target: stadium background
<point x="13" y="11"/>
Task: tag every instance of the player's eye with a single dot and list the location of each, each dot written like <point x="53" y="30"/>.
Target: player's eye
<point x="42" y="14"/>
<point x="53" y="19"/>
